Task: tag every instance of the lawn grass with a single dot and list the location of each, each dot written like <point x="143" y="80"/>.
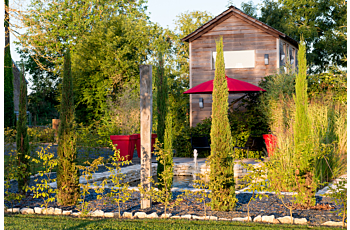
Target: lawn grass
<point x="18" y="221"/>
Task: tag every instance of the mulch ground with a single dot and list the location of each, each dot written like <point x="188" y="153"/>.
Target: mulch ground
<point x="325" y="209"/>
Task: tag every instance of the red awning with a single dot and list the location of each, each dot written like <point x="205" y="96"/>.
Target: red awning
<point x="234" y="86"/>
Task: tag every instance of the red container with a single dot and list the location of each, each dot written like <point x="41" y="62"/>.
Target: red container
<point x="271" y="142"/>
<point x="138" y="143"/>
<point x="126" y="144"/>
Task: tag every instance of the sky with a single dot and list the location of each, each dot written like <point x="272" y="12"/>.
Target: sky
<point x="164" y="12"/>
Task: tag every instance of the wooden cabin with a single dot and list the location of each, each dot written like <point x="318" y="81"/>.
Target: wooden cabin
<point x="247" y="43"/>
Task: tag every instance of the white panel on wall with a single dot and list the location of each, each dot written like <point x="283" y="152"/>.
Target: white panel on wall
<point x="237" y="59"/>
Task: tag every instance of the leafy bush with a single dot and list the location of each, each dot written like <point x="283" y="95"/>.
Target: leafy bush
<point x="119" y="192"/>
<point x="42" y="189"/>
<point x="334" y="81"/>
<point x="41" y="135"/>
<point x="182" y="142"/>
<point x="338" y="194"/>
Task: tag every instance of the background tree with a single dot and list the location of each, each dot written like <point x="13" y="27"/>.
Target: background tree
<point x="249" y="8"/>
<point x="322" y="23"/>
<point x="67" y="172"/>
<point x="106" y="60"/>
<point x="22" y="142"/>
<point x="222" y="183"/>
<point x="43" y="100"/>
<point x="9" y="115"/>
<point x="186" y="23"/>
<point x="178" y="79"/>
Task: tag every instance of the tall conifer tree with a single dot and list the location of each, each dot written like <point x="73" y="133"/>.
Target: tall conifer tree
<point x="23" y="171"/>
<point x="162" y="98"/>
<point x="67" y="174"/>
<point x="304" y="154"/>
<point x="9" y="116"/>
<point x="168" y="144"/>
<point x="221" y="161"/>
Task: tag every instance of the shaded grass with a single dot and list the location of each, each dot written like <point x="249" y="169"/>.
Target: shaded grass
<point x="17" y="221"/>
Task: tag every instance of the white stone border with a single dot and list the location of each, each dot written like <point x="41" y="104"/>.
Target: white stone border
<point x="141" y="215"/>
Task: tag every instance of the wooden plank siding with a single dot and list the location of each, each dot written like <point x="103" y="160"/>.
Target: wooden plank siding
<point x="237" y="35"/>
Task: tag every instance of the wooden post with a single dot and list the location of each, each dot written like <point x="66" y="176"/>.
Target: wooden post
<point x="55" y="125"/>
<point x="146" y="130"/>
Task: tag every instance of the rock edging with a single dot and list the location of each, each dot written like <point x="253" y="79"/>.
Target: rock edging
<point x="141" y="215"/>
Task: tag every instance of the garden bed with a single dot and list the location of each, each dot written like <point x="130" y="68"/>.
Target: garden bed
<point x="267" y="206"/>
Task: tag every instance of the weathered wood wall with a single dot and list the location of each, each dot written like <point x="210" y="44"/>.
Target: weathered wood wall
<point x="237" y="35"/>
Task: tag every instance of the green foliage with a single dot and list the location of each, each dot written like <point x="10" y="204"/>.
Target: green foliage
<point x="316" y="156"/>
<point x="22" y="142"/>
<point x="10" y="173"/>
<point x="87" y="172"/>
<point x="67" y="172"/>
<point x="119" y="192"/>
<point x="248" y="116"/>
<point x="42" y="189"/>
<point x="322" y="23"/>
<point x="44" y="85"/>
<point x="106" y="62"/>
<point x="9" y="116"/>
<point x="161" y="83"/>
<point x="302" y="133"/>
<point x="249" y="8"/>
<point x="255" y="182"/>
<point x="222" y="183"/>
<point x="334" y="81"/>
<point x="338" y="193"/>
<point x="162" y="99"/>
<point x="163" y="194"/>
<point x="41" y="135"/>
<point x="122" y="116"/>
<point x="182" y="142"/>
<point x="274" y="14"/>
<point x="168" y="144"/>
<point x="185" y="24"/>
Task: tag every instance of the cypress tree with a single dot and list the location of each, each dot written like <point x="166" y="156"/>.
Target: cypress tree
<point x="23" y="170"/>
<point x="304" y="157"/>
<point x="9" y="108"/>
<point x="67" y="173"/>
<point x="168" y="144"/>
<point x="221" y="162"/>
<point x="162" y="98"/>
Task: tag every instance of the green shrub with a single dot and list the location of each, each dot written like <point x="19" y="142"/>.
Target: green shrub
<point x="41" y="135"/>
<point x="338" y="193"/>
<point x="182" y="142"/>
<point x="119" y="192"/>
<point x="43" y="189"/>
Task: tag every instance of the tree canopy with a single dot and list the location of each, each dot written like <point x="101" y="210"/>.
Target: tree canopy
<point x="322" y="23"/>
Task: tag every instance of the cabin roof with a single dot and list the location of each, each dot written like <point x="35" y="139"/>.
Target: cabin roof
<point x="245" y="17"/>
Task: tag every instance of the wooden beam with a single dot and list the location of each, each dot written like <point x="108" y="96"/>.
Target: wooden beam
<point x="146" y="130"/>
